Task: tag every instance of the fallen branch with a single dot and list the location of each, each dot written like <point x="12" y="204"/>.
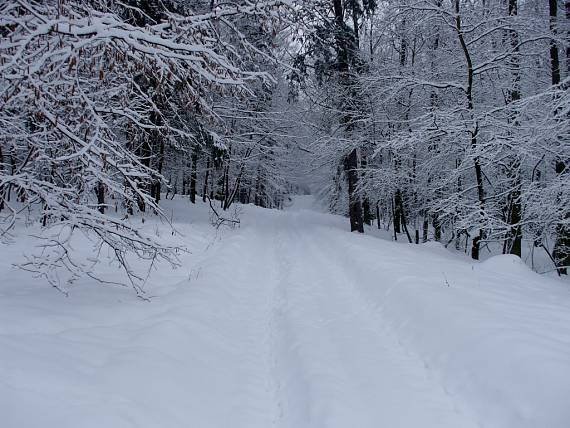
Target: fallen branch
<point x="219" y="220"/>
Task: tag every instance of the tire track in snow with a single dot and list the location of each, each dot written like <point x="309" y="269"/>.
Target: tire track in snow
<point x="244" y="286"/>
<point x="263" y="287"/>
<point x="374" y="315"/>
<point x="336" y="365"/>
<point x="285" y="370"/>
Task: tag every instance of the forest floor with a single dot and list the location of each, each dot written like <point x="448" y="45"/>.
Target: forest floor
<point x="289" y="321"/>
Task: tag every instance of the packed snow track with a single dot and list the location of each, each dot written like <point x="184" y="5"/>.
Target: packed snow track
<point x="292" y="322"/>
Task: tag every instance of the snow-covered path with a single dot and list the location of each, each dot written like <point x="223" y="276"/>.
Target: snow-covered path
<point x="291" y="322"/>
<point x="338" y="364"/>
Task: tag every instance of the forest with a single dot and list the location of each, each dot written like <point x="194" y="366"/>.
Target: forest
<point x="440" y="120"/>
<point x="284" y="213"/>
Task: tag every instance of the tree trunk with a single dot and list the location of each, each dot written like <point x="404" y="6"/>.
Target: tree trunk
<point x="436" y="228"/>
<point x="514" y="241"/>
<point x="515" y="217"/>
<point x="393" y="217"/>
<point x="259" y="190"/>
<point x="101" y="197"/>
<point x="354" y="205"/>
<point x="473" y="132"/>
<point x="367" y="216"/>
<point x="567" y="7"/>
<point x="145" y="156"/>
<point x="226" y="180"/>
<point x="561" y="252"/>
<point x="175" y="187"/>
<point x="405" y="225"/>
<point x="160" y="164"/>
<point x="554" y="58"/>
<point x="194" y="174"/>
<point x="207" y="175"/>
<point x="2" y="188"/>
<point x="378" y="214"/>
<point x="366" y="212"/>
<point x="425" y="228"/>
<point x="12" y="171"/>
<point x="351" y="161"/>
<point x="398" y="207"/>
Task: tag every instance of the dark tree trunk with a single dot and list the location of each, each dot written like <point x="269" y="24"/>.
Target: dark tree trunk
<point x="477" y="240"/>
<point x="3" y="188"/>
<point x="514" y="242"/>
<point x="207" y="175"/>
<point x="146" y="152"/>
<point x="398" y="208"/>
<point x="367" y="212"/>
<point x="436" y="228"/>
<point x="160" y="164"/>
<point x="474" y="132"/>
<point x="425" y="228"/>
<point x="561" y="252"/>
<point x="434" y="143"/>
<point x="515" y="217"/>
<point x="341" y="39"/>
<point x="130" y="210"/>
<point x="258" y="198"/>
<point x="351" y="161"/>
<point x="367" y="215"/>
<point x="393" y="217"/>
<point x="168" y="187"/>
<point x="554" y="55"/>
<point x="175" y="187"/>
<point x="567" y="7"/>
<point x="101" y="197"/>
<point x="475" y="248"/>
<point x="398" y="198"/>
<point x="405" y="225"/>
<point x="562" y="247"/>
<point x="194" y="174"/>
<point x="243" y="195"/>
<point x="12" y="171"/>
<point x="378" y="214"/>
<point x="354" y="205"/>
<point x="153" y="148"/>
<point x="226" y="181"/>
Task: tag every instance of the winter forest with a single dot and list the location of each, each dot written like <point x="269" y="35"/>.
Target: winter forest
<point x="179" y="180"/>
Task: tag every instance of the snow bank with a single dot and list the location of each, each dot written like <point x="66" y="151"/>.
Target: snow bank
<point x="496" y="333"/>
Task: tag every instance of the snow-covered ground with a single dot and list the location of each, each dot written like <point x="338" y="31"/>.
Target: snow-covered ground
<point x="289" y="322"/>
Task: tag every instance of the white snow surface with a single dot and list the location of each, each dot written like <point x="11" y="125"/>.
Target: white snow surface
<point x="289" y="321"/>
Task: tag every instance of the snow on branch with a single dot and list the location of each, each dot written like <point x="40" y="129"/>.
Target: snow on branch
<point x="84" y="90"/>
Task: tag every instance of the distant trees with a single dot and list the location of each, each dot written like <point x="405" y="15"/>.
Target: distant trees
<point x="332" y="51"/>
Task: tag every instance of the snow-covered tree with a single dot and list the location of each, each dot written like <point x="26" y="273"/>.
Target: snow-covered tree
<point x="91" y="92"/>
